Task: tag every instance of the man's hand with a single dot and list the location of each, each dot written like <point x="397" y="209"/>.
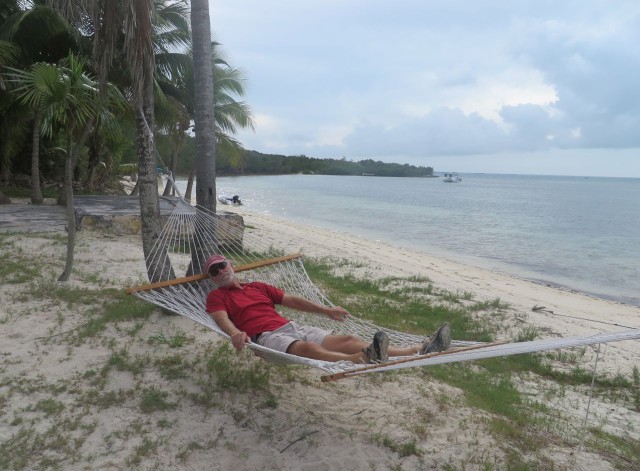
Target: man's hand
<point x="337" y="313"/>
<point x="239" y="339"/>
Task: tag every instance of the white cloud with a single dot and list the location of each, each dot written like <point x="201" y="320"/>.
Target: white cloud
<point x="380" y="79"/>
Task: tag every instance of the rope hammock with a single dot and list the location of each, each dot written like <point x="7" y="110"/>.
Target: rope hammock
<point x="192" y="233"/>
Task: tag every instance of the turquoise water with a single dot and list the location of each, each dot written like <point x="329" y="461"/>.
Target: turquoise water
<point x="577" y="232"/>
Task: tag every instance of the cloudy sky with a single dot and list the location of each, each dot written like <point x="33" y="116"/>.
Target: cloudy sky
<point x="518" y="86"/>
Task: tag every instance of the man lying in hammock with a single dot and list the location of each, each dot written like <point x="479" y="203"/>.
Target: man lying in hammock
<point x="246" y="312"/>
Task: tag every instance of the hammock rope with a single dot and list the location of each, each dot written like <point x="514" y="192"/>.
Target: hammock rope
<point x="192" y="233"/>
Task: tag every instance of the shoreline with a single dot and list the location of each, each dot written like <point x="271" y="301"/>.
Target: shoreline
<point x="566" y="312"/>
<point x="464" y="261"/>
<point x="502" y="268"/>
<point x="581" y="250"/>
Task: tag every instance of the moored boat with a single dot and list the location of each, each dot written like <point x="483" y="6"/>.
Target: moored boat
<point x="232" y="200"/>
<point x="451" y="177"/>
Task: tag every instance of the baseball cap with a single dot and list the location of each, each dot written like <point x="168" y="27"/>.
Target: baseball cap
<point x="212" y="261"/>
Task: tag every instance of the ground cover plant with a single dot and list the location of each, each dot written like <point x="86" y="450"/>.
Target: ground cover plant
<point x="90" y="377"/>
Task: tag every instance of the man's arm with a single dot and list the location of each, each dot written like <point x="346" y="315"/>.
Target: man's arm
<point x="238" y="337"/>
<point x="336" y="313"/>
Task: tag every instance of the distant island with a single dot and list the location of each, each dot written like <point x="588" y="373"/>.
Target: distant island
<point x="261" y="164"/>
<point x="252" y="162"/>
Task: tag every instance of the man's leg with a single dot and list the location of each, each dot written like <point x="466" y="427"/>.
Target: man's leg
<point x="344" y="343"/>
<point x="353" y="344"/>
<point x="320" y="352"/>
<point x="344" y="347"/>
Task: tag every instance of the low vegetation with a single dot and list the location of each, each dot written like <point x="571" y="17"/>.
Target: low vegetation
<point x="99" y="374"/>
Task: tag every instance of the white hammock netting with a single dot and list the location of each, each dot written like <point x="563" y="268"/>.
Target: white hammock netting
<point x="192" y="234"/>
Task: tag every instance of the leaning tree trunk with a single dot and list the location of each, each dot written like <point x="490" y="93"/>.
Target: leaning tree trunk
<point x="71" y="217"/>
<point x="94" y="159"/>
<point x="136" y="189"/>
<point x="187" y="192"/>
<point x="36" y="191"/>
<point x="69" y="165"/>
<point x="170" y="187"/>
<point x="159" y="266"/>
<point x="4" y="199"/>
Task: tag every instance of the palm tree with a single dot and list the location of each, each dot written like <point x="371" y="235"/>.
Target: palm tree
<point x="30" y="32"/>
<point x="11" y="135"/>
<point x="130" y="20"/>
<point x="174" y="121"/>
<point x="171" y="34"/>
<point x="66" y="99"/>
<point x="230" y="114"/>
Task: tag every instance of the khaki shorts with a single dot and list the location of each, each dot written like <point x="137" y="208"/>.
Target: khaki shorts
<point x="280" y="339"/>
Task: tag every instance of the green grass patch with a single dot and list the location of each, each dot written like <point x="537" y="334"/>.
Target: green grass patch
<point x="120" y="307"/>
<point x="179" y="339"/>
<point x="624" y="451"/>
<point x="122" y="361"/>
<point x="172" y="367"/>
<point x="17" y="268"/>
<point x="50" y="406"/>
<point x="154" y="399"/>
<point x="403" y="448"/>
<point x="406" y="304"/>
<point x="229" y="370"/>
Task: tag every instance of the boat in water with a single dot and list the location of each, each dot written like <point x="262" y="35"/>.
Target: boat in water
<point x="232" y="200"/>
<point x="451" y="178"/>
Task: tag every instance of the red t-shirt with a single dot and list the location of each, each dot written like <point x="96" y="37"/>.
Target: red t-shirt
<point x="250" y="308"/>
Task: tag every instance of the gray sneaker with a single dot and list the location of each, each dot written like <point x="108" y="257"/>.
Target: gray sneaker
<point x="377" y="351"/>
<point x="438" y="342"/>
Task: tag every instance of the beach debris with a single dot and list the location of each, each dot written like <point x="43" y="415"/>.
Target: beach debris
<point x="298" y="439"/>
<point x="537" y="308"/>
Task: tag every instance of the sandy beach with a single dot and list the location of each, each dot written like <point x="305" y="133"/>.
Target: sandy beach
<point x="71" y="403"/>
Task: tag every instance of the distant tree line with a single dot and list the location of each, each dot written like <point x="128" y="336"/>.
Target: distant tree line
<point x="256" y="163"/>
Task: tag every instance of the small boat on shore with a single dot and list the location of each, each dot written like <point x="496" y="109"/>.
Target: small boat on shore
<point x="232" y="200"/>
<point x="451" y="177"/>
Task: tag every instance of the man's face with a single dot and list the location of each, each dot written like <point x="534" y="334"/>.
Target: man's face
<point x="222" y="273"/>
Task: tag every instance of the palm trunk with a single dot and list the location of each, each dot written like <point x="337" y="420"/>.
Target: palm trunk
<point x="36" y="191"/>
<point x="71" y="217"/>
<point x="158" y="268"/>
<point x="94" y="160"/>
<point x="205" y="139"/>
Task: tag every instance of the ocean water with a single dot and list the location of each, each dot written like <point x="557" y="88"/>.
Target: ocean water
<point x="581" y="233"/>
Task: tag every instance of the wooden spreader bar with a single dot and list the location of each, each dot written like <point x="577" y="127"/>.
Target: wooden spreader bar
<point x="348" y="374"/>
<point x="203" y="276"/>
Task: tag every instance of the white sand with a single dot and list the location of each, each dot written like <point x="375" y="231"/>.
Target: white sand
<point x="347" y="425"/>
